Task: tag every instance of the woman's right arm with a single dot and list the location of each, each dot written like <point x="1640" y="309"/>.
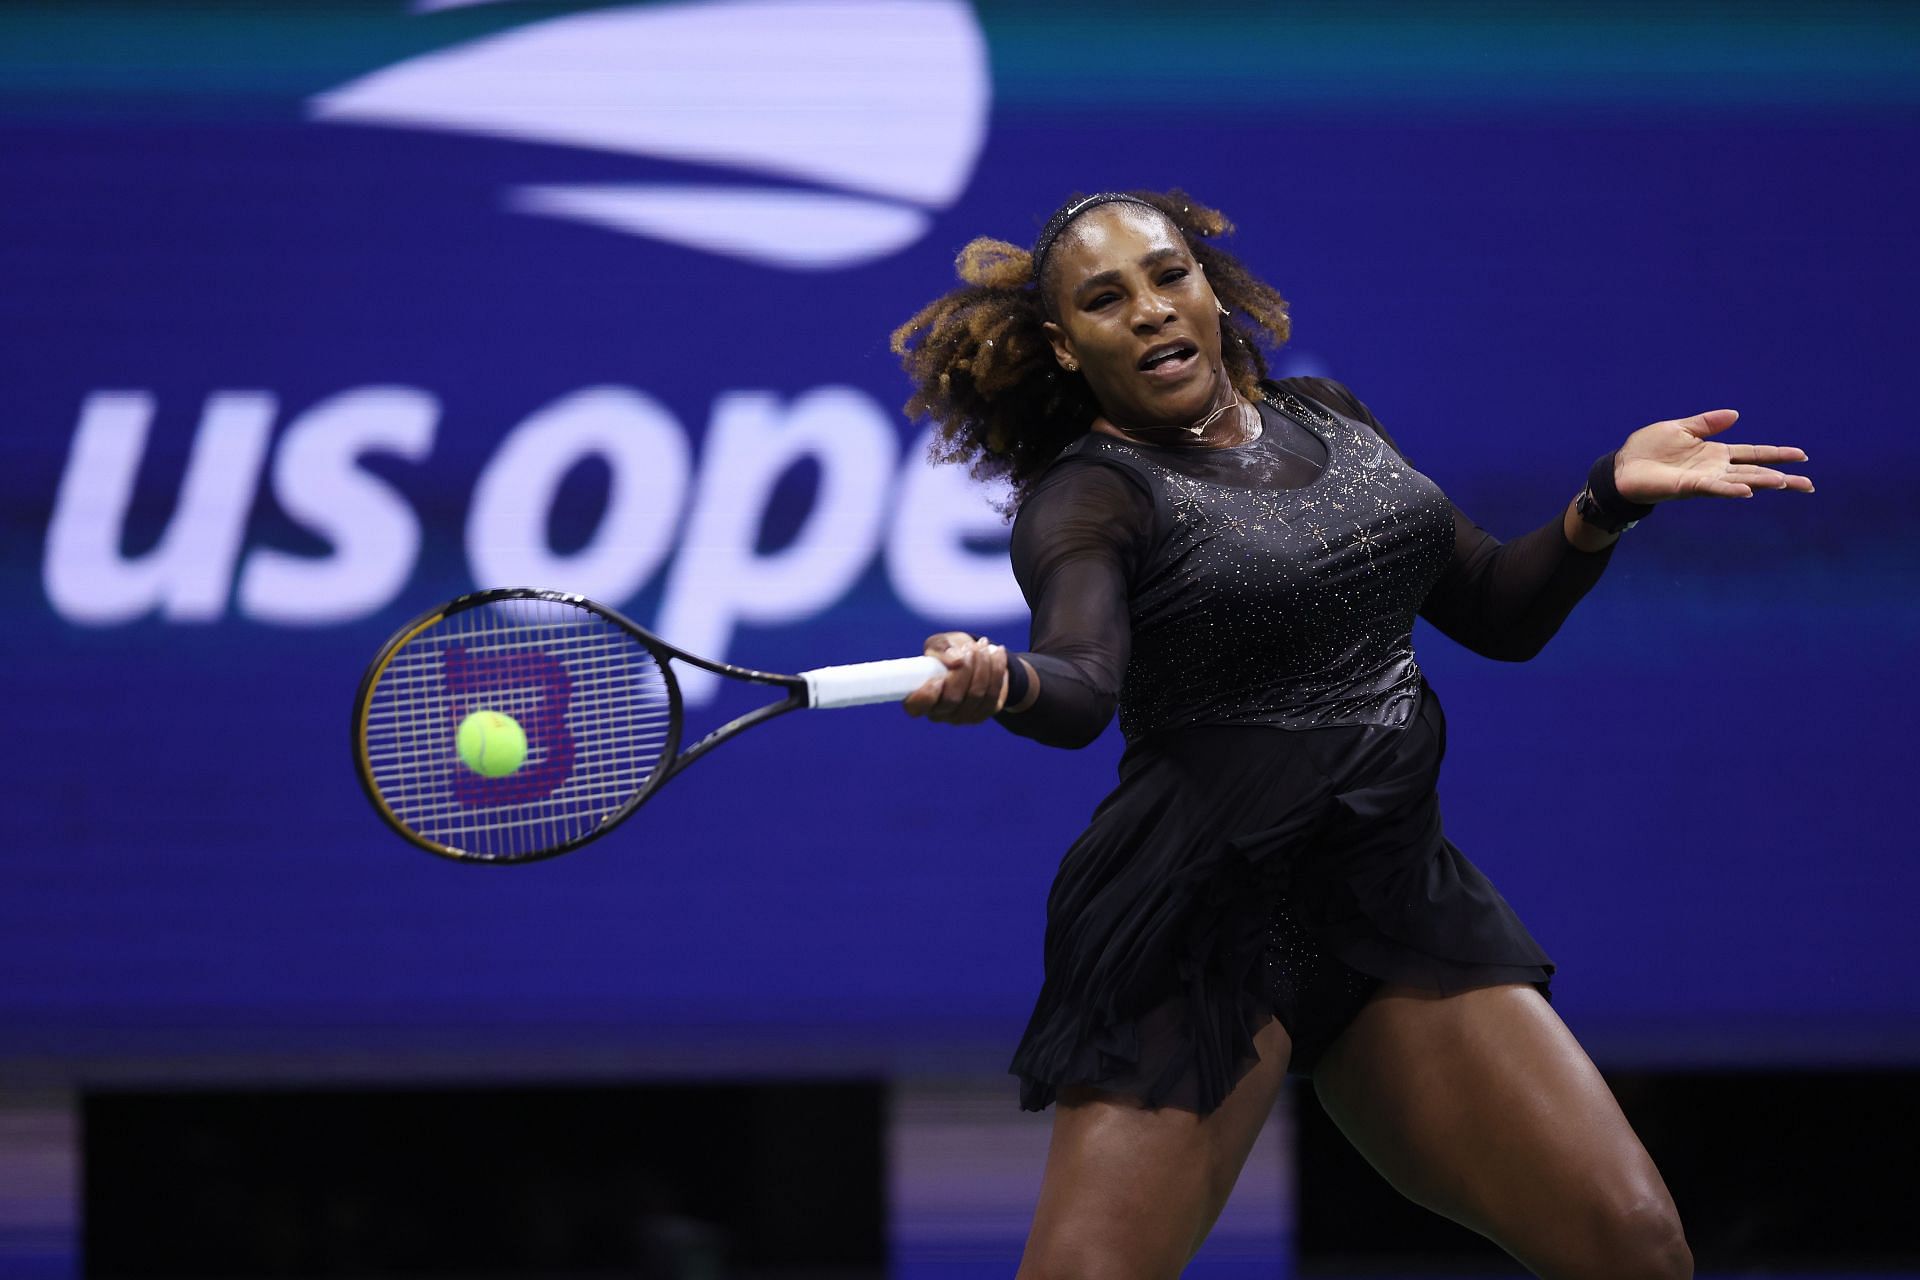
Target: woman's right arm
<point x="1076" y="543"/>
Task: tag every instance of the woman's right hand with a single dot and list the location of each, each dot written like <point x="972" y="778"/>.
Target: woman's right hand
<point x="974" y="687"/>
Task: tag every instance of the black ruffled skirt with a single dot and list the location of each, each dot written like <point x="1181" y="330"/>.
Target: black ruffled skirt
<point x="1161" y="910"/>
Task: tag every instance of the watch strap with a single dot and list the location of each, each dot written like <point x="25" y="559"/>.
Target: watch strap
<point x="1600" y="503"/>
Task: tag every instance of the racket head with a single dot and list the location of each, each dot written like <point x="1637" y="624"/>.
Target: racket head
<point x="592" y="692"/>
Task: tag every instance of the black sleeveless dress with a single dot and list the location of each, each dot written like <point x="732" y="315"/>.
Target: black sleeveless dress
<point x="1274" y="844"/>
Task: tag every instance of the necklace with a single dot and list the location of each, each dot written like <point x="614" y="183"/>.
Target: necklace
<point x="1199" y="428"/>
<point x="1251" y="427"/>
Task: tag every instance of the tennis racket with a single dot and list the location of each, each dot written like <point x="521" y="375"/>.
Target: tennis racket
<point x="596" y="698"/>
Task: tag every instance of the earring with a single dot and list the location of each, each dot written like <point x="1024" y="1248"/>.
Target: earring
<point x="1072" y="367"/>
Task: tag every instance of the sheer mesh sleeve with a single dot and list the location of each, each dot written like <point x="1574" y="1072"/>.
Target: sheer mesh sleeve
<point x="1502" y="600"/>
<point x="1076" y="544"/>
<point x="1507" y="599"/>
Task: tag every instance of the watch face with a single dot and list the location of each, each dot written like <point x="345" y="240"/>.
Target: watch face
<point x="1589" y="510"/>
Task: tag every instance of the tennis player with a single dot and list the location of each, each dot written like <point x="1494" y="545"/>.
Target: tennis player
<point x="1235" y="563"/>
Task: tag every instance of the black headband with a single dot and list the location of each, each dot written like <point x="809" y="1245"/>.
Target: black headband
<point x="1065" y="214"/>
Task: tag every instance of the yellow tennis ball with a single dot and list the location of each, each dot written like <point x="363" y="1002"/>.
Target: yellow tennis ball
<point x="491" y="744"/>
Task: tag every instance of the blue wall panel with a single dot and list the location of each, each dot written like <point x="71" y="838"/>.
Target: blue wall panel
<point x="1694" y="796"/>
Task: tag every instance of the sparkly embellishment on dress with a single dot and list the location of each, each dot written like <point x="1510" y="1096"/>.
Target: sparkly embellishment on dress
<point x="1314" y="994"/>
<point x="1312" y="590"/>
<point x="1184" y="494"/>
<point x="1271" y="508"/>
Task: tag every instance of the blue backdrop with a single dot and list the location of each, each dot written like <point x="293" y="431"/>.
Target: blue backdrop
<point x="315" y="316"/>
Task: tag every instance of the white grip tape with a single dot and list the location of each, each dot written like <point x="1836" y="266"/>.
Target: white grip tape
<point x="862" y="682"/>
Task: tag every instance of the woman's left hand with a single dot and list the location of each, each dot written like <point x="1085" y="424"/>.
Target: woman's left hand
<point x="1674" y="459"/>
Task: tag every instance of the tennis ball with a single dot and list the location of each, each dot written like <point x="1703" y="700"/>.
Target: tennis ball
<point x="491" y="744"/>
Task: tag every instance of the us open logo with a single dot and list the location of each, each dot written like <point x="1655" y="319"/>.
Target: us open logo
<point x="869" y="113"/>
<point x="834" y="130"/>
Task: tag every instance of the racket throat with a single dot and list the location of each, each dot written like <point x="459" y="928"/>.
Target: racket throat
<point x="795" y="701"/>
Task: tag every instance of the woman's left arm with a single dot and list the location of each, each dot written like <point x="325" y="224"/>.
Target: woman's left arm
<point x="1506" y="600"/>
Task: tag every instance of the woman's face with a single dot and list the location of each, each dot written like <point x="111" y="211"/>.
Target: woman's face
<point x="1138" y="318"/>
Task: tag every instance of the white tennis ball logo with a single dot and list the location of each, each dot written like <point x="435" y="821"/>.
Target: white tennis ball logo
<point x="491" y="743"/>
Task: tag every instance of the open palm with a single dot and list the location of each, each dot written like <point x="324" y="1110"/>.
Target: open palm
<point x="1675" y="459"/>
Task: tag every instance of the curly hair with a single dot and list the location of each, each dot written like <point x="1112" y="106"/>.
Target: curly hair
<point x="984" y="372"/>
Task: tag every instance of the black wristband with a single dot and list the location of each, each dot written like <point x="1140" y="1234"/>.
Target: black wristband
<point x="1600" y="503"/>
<point x="1017" y="682"/>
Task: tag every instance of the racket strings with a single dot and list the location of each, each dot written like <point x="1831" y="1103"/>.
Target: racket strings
<point x="597" y="708"/>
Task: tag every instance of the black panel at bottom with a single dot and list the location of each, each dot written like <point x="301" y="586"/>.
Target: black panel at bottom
<point x="755" y="1180"/>
<point x="1803" y="1170"/>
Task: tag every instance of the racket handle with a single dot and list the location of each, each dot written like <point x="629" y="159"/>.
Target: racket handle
<point x="859" y="683"/>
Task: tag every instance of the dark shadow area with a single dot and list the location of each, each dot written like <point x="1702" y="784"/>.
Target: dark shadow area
<point x="747" y="1180"/>
<point x="1809" y="1171"/>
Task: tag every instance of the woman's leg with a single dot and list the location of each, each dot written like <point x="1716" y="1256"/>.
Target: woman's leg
<point x="1128" y="1193"/>
<point x="1482" y="1107"/>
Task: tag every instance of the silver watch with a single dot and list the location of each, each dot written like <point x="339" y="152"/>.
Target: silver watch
<point x="1588" y="509"/>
